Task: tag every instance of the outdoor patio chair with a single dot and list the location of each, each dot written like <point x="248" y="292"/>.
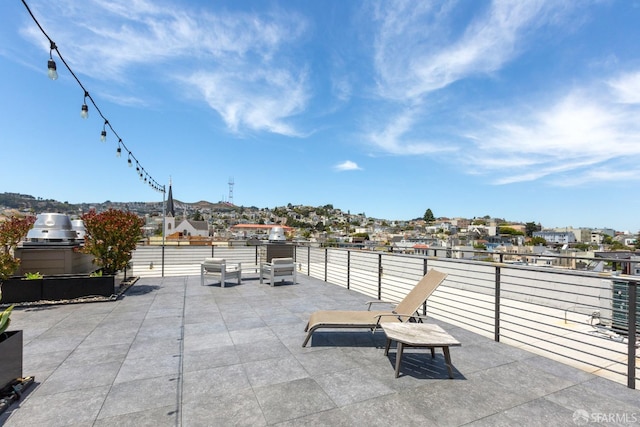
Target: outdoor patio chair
<point x="278" y="268"/>
<point x="405" y="311"/>
<point x="219" y="268"/>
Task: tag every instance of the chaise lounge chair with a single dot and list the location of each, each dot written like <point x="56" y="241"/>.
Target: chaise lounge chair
<point x="404" y="311"/>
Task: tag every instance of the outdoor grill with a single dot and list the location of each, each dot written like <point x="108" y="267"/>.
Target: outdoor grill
<point x="51" y="229"/>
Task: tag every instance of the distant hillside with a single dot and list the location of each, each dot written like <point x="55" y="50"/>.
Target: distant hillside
<point x="26" y="202"/>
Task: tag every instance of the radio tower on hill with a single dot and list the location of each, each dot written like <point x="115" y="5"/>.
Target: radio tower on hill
<point x="231" y="190"/>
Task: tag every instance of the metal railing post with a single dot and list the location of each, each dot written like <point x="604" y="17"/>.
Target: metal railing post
<point x="425" y="270"/>
<point x="326" y="262"/>
<point x="496" y="331"/>
<point x="631" y="337"/>
<point x="348" y="269"/>
<point x="379" y="276"/>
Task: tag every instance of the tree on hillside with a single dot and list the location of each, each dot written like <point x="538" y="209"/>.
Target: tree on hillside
<point x="537" y="241"/>
<point x="510" y="230"/>
<point x="530" y="228"/>
<point x="428" y="216"/>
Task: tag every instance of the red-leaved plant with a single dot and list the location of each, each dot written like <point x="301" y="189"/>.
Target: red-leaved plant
<point x="111" y="237"/>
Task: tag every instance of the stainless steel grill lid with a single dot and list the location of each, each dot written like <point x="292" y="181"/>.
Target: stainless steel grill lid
<point x="52" y="227"/>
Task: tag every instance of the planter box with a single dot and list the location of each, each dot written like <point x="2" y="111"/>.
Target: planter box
<point x="17" y="289"/>
<point x="54" y="288"/>
<point x="69" y="287"/>
<point x="10" y="357"/>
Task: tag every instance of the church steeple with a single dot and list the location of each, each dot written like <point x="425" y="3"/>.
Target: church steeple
<point x="170" y="207"/>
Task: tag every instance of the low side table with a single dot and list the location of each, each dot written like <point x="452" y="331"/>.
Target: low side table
<point x="425" y="335"/>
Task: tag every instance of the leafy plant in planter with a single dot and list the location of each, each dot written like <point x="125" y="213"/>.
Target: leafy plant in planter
<point x="12" y="231"/>
<point x="5" y="317"/>
<point x="111" y="237"/>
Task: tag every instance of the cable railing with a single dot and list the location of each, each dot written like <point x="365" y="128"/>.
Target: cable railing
<point x="582" y="318"/>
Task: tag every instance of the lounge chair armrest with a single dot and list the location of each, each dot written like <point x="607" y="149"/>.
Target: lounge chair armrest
<point x="377" y="302"/>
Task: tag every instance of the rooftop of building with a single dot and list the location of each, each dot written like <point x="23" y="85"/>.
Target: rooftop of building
<point x="171" y="352"/>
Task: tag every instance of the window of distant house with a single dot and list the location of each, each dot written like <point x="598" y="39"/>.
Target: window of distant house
<point x="169" y="226"/>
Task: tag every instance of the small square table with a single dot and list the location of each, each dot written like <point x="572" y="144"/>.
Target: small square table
<point x="425" y="335"/>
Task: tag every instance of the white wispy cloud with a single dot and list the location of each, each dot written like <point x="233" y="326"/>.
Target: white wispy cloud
<point x="235" y="61"/>
<point x="581" y="137"/>
<point x="626" y="88"/>
<point x="585" y="134"/>
<point x="347" y="165"/>
<point x="417" y="50"/>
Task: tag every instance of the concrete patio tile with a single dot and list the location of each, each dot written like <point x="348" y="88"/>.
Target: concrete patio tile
<point x="70" y="377"/>
<point x="454" y="403"/>
<point x="274" y="371"/>
<point x="262" y="350"/>
<point x="110" y="335"/>
<point x="55" y="344"/>
<point x="327" y="360"/>
<point x="222" y="355"/>
<point x="158" y="417"/>
<point x="385" y="411"/>
<point x="213" y="382"/>
<point x="83" y="355"/>
<point x="586" y="397"/>
<point x="148" y="367"/>
<point x="32" y="362"/>
<point x="244" y="323"/>
<point x="354" y="385"/>
<point x="292" y="399"/>
<point x="523" y="380"/>
<point x="558" y="369"/>
<point x="337" y="417"/>
<point x="141" y="395"/>
<point x="244" y="336"/>
<point x="52" y="410"/>
<point x="144" y="346"/>
<point x="613" y="390"/>
<point x="237" y="408"/>
<point x="203" y="327"/>
<point x="537" y="413"/>
<point x="208" y="341"/>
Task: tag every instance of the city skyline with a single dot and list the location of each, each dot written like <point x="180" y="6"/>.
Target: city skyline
<point x="523" y="110"/>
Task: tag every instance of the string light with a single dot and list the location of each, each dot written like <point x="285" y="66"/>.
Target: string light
<point x="52" y="73"/>
<point x="51" y="64"/>
<point x="84" y="110"/>
<point x="103" y="134"/>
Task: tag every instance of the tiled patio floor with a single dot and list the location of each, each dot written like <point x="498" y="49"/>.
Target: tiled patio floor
<point x="174" y="353"/>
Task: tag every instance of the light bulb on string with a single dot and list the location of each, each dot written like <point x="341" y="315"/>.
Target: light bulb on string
<point x="129" y="161"/>
<point x="119" y="150"/>
<point x="103" y="134"/>
<point x="84" y="110"/>
<point x="51" y="64"/>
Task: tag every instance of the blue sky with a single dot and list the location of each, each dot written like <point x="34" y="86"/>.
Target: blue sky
<point x="524" y="110"/>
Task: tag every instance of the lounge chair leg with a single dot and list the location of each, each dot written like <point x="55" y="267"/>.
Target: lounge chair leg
<point x="399" y="357"/>
<point x="306" y="340"/>
<point x="386" y="347"/>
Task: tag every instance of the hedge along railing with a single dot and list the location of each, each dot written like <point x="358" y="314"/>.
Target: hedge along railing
<point x="552" y="312"/>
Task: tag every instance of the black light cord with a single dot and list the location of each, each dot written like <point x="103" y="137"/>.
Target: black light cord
<point x="131" y="157"/>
